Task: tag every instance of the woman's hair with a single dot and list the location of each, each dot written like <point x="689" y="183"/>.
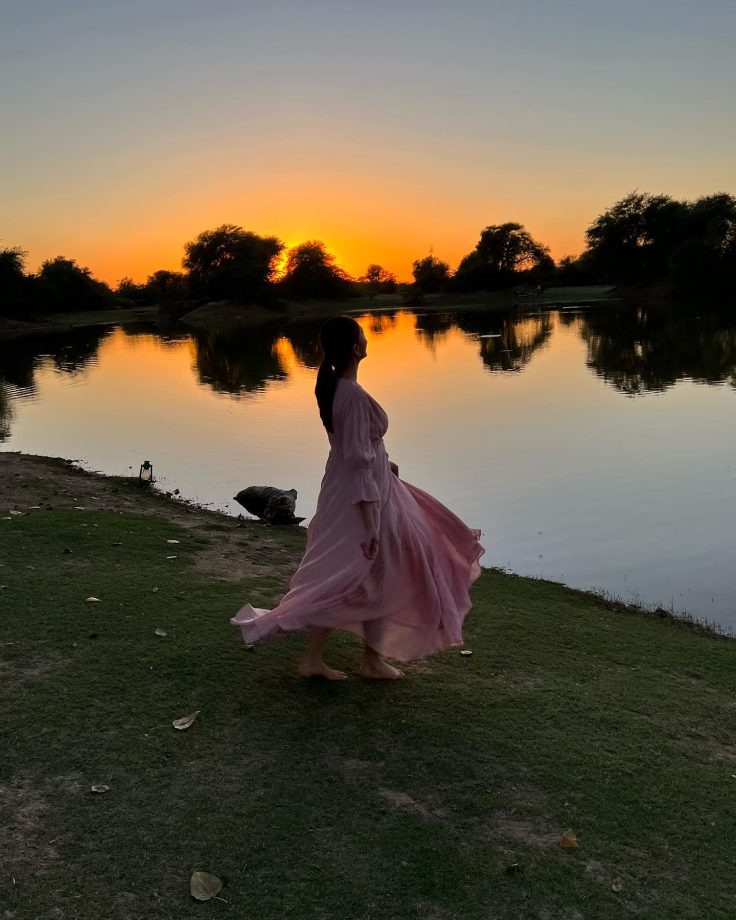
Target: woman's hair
<point x="337" y="338"/>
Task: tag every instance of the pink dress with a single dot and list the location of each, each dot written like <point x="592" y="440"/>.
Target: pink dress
<point x="411" y="599"/>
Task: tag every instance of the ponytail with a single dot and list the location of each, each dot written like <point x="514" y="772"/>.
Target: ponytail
<point x="325" y="392"/>
<point x="337" y="337"/>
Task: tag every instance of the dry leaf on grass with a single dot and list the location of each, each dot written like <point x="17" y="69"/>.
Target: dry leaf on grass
<point x="617" y="885"/>
<point x="160" y="632"/>
<point x="173" y="541"/>
<point x="185" y="721"/>
<point x="93" y="600"/>
<point x="568" y="839"/>
<point x="204" y="885"/>
<point x="99" y="787"/>
<point x="466" y="652"/>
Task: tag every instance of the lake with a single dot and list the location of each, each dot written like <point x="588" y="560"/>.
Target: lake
<point x="596" y="447"/>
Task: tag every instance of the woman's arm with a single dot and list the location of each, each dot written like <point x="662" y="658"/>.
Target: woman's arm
<point x="360" y="455"/>
<point x="369" y="543"/>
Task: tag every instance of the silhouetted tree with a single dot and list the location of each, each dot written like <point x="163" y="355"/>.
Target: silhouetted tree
<point x="430" y="275"/>
<point x="165" y="287"/>
<point x="129" y="290"/>
<point x="311" y="271"/>
<point x="231" y="263"/>
<point x="646" y="239"/>
<point x="13" y="282"/>
<point x="502" y="252"/>
<point x="706" y="259"/>
<point x="379" y="281"/>
<point x="575" y="270"/>
<point x="632" y="241"/>
<point x="63" y="285"/>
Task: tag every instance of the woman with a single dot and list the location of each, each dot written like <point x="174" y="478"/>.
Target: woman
<point x="384" y="560"/>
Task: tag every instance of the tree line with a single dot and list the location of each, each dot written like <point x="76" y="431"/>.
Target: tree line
<point x="641" y="240"/>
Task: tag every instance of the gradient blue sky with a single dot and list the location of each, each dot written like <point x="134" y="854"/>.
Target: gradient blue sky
<point x="383" y="129"/>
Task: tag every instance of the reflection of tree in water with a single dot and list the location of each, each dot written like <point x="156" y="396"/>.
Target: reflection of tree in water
<point x="644" y="350"/>
<point x="69" y="352"/>
<point x="238" y="362"/>
<point x="507" y="340"/>
<point x="304" y="338"/>
<point x="513" y="338"/>
<point x="378" y="323"/>
<point x="166" y="332"/>
<point x="432" y="328"/>
<point x="79" y="350"/>
<point x="20" y="359"/>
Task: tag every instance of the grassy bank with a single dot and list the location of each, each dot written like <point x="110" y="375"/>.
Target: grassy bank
<point x="441" y="796"/>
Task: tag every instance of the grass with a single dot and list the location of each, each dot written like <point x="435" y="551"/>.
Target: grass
<point x="441" y="796"/>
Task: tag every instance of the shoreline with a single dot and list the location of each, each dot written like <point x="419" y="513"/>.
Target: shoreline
<point x="224" y="316"/>
<point x="33" y="479"/>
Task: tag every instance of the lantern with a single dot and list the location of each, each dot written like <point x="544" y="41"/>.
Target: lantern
<point x="146" y="472"/>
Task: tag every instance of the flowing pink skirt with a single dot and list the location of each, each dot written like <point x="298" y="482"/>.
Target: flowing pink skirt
<point x="408" y="602"/>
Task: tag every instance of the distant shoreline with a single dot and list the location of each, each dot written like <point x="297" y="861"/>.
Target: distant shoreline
<point x="225" y="316"/>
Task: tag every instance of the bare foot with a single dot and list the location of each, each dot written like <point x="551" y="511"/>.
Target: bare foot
<point x="319" y="669"/>
<point x="380" y="670"/>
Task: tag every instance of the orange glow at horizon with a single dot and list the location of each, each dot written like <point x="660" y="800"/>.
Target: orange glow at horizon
<point x="352" y="255"/>
<point x="358" y="226"/>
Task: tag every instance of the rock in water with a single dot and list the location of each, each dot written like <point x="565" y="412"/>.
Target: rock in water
<point x="275" y="506"/>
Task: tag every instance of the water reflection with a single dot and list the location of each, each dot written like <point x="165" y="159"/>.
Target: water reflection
<point x="643" y="350"/>
<point x="68" y="353"/>
<point x="635" y="350"/>
<point x="6" y="412"/>
<point x="240" y="362"/>
<point x="475" y="400"/>
<point x="507" y="342"/>
<point x="304" y="339"/>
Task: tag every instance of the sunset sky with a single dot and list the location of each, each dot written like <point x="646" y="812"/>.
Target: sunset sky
<point x="381" y="128"/>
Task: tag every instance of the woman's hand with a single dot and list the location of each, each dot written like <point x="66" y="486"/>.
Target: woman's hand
<point x="394" y="467"/>
<point x="369" y="543"/>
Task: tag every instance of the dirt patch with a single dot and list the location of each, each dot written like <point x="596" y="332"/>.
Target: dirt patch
<point x="13" y="674"/>
<point x="524" y="831"/>
<point x="231" y="558"/>
<point x="29" y="843"/>
<point x="520" y="680"/>
<point x="366" y="772"/>
<point x="234" y="548"/>
<point x="407" y="803"/>
<point x="722" y="752"/>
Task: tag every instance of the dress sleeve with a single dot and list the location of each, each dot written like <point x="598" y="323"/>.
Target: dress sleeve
<point x="358" y="450"/>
